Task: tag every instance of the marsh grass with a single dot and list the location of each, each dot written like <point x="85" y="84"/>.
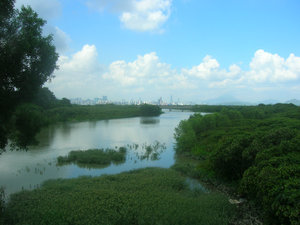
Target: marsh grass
<point x="94" y="157"/>
<point x="146" y="196"/>
<point x="151" y="152"/>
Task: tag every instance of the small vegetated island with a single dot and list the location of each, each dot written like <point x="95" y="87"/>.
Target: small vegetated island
<point x="94" y="157"/>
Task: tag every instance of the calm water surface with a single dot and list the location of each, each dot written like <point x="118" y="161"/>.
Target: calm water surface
<point x="27" y="170"/>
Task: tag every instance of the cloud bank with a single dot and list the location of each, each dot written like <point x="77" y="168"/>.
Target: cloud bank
<point x="137" y="15"/>
<point x="82" y="75"/>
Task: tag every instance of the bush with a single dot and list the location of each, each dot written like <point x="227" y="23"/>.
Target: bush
<point x="256" y="148"/>
<point x="274" y="182"/>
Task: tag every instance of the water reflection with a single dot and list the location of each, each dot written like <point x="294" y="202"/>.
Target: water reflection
<point x="149" y="120"/>
<point x="20" y="169"/>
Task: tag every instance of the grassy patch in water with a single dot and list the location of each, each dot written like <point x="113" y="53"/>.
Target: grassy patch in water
<point x="94" y="157"/>
<point x="146" y="196"/>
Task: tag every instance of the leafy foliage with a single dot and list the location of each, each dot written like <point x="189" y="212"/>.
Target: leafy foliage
<point x="28" y="120"/>
<point x="147" y="196"/>
<point x="256" y="147"/>
<point x="27" y="61"/>
<point x="150" y="110"/>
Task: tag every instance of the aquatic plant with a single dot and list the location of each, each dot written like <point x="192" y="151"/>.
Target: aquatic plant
<point x="145" y="197"/>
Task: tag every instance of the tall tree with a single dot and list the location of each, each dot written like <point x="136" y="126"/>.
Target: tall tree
<point x="27" y="60"/>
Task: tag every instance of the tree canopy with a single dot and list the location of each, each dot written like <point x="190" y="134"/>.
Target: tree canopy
<point x="27" y="60"/>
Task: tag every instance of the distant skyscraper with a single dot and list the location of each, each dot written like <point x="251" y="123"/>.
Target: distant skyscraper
<point x="104" y="98"/>
<point x="160" y="101"/>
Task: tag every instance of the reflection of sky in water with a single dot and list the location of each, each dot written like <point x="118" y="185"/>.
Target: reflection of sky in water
<point x="29" y="169"/>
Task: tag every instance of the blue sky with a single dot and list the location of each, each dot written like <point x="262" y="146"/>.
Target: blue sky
<point x="194" y="50"/>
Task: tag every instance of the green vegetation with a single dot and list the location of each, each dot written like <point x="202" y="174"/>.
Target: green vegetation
<point x="94" y="157"/>
<point x="99" y="112"/>
<point x="150" y="110"/>
<point x="147" y="196"/>
<point x="255" y="148"/>
<point x="27" y="61"/>
<point x="148" y="151"/>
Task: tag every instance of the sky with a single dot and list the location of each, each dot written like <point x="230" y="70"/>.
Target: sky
<point x="192" y="50"/>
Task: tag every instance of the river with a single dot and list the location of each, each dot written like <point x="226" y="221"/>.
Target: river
<point x="28" y="169"/>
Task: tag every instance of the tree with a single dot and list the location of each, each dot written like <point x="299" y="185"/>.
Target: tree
<point x="27" y="61"/>
<point x="45" y="98"/>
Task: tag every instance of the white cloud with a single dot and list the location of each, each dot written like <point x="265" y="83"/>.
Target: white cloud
<point x="47" y="9"/>
<point x="267" y="67"/>
<point x="78" y="75"/>
<point x="145" y="69"/>
<point x="205" y="69"/>
<point x="82" y="75"/>
<point x="137" y="15"/>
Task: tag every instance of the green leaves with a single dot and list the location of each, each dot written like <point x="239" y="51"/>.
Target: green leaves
<point x="257" y="147"/>
<point x="27" y="121"/>
<point x="150" y="110"/>
<point x="145" y="197"/>
<point x="27" y="61"/>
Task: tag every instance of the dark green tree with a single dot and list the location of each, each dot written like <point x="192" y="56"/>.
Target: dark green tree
<point x="27" y="61"/>
<point x="45" y="98"/>
<point x="150" y="110"/>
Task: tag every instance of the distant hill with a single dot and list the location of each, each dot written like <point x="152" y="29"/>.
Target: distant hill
<point x="226" y="100"/>
<point x="294" y="101"/>
<point x="230" y="100"/>
<point x="270" y="101"/>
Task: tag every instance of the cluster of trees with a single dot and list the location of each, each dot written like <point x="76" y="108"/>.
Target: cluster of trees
<point x="255" y="147"/>
<point x="27" y="61"/>
<point x="29" y="117"/>
<point x="150" y="110"/>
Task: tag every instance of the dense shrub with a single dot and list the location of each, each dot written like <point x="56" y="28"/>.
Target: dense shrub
<point x="150" y="110"/>
<point x="274" y="181"/>
<point x="257" y="147"/>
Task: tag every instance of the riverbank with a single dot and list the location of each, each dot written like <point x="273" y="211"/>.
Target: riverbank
<point x="245" y="212"/>
<point x="99" y="112"/>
